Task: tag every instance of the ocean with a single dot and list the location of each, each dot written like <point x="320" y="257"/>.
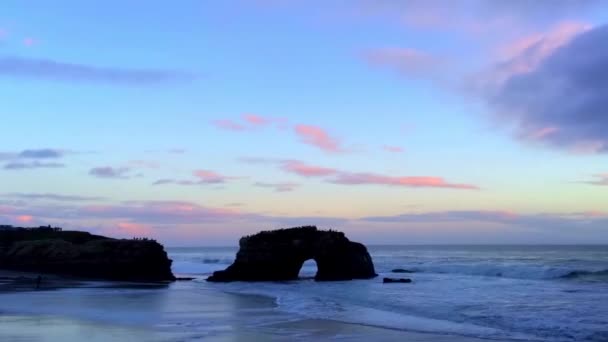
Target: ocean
<point x="458" y="293"/>
<point x="533" y="293"/>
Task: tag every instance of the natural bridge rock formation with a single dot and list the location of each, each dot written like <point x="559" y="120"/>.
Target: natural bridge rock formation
<point x="279" y="254"/>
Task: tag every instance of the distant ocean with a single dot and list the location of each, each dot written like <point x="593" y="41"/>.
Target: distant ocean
<point x="534" y="293"/>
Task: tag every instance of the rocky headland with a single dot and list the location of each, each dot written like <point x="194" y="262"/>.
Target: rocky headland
<point x="81" y="254"/>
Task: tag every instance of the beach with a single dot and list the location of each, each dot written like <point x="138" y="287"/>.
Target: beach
<point x="101" y="311"/>
<point x="458" y="294"/>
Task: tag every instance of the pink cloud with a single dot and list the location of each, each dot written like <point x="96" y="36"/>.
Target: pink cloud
<point x="348" y="178"/>
<point x="256" y="120"/>
<point x="392" y="149"/>
<point x="526" y="54"/>
<point x="249" y="121"/>
<point x="207" y="176"/>
<point x="318" y="137"/>
<point x="543" y="132"/>
<point x="229" y="125"/>
<point x="24" y="218"/>
<point x="305" y="170"/>
<point x="359" y="178"/>
<point x="135" y="229"/>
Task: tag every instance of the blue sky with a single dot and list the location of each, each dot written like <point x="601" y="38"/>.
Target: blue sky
<point x="199" y="121"/>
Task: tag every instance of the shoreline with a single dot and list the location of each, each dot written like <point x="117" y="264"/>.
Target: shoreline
<point x="237" y="316"/>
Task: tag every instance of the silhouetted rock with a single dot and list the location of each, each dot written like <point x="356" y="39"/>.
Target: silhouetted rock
<point x="401" y="270"/>
<point x="396" y="280"/>
<point x="279" y="254"/>
<point x="83" y="255"/>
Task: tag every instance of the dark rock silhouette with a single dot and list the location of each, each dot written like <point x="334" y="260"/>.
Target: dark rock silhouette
<point x="401" y="270"/>
<point x="279" y="254"/>
<point x="396" y="280"/>
<point x="80" y="254"/>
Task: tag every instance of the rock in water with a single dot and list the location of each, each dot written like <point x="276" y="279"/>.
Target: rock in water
<point x="82" y="254"/>
<point x="279" y="254"/>
<point x="401" y="270"/>
<point x="396" y="280"/>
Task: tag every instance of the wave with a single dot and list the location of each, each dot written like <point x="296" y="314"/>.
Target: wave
<point x="587" y="275"/>
<point x="197" y="264"/>
<point x="517" y="271"/>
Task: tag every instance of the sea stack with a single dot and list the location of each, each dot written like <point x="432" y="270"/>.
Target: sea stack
<point x="278" y="255"/>
<point x="81" y="254"/>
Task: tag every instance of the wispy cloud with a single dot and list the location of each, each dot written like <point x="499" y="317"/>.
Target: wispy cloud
<point x="110" y="172"/>
<point x="336" y="176"/>
<point x="319" y="138"/>
<point x="256" y="120"/>
<point x="41" y="153"/>
<point x="210" y="177"/>
<point x="278" y="187"/>
<point x="18" y="165"/>
<point x="201" y="177"/>
<point x="248" y="122"/>
<point x="537" y="221"/>
<point x="306" y="170"/>
<point x="347" y="178"/>
<point x="48" y="69"/>
<point x="53" y="197"/>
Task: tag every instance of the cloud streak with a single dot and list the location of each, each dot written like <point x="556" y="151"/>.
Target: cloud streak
<point x="278" y="187"/>
<point x="336" y="176"/>
<point x="52" y="70"/>
<point x="347" y="178"/>
<point x="306" y="170"/>
<point x="248" y="122"/>
<point x="110" y="172"/>
<point x="202" y="177"/>
<point x="53" y="197"/>
<point x="319" y="138"/>
<point x="18" y="165"/>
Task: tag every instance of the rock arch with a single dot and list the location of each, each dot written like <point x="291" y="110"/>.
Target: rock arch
<point x="279" y="255"/>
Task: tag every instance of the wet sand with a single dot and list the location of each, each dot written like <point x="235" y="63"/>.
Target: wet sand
<point x="49" y="329"/>
<point x="183" y="311"/>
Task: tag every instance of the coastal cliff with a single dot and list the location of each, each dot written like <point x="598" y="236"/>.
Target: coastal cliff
<point x="279" y="254"/>
<point x="81" y="254"/>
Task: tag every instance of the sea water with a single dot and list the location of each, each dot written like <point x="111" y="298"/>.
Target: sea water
<point x="535" y="293"/>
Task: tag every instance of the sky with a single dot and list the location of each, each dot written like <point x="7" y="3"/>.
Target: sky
<point x="195" y="122"/>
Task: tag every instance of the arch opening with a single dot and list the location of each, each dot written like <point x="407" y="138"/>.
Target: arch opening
<point x="308" y="270"/>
